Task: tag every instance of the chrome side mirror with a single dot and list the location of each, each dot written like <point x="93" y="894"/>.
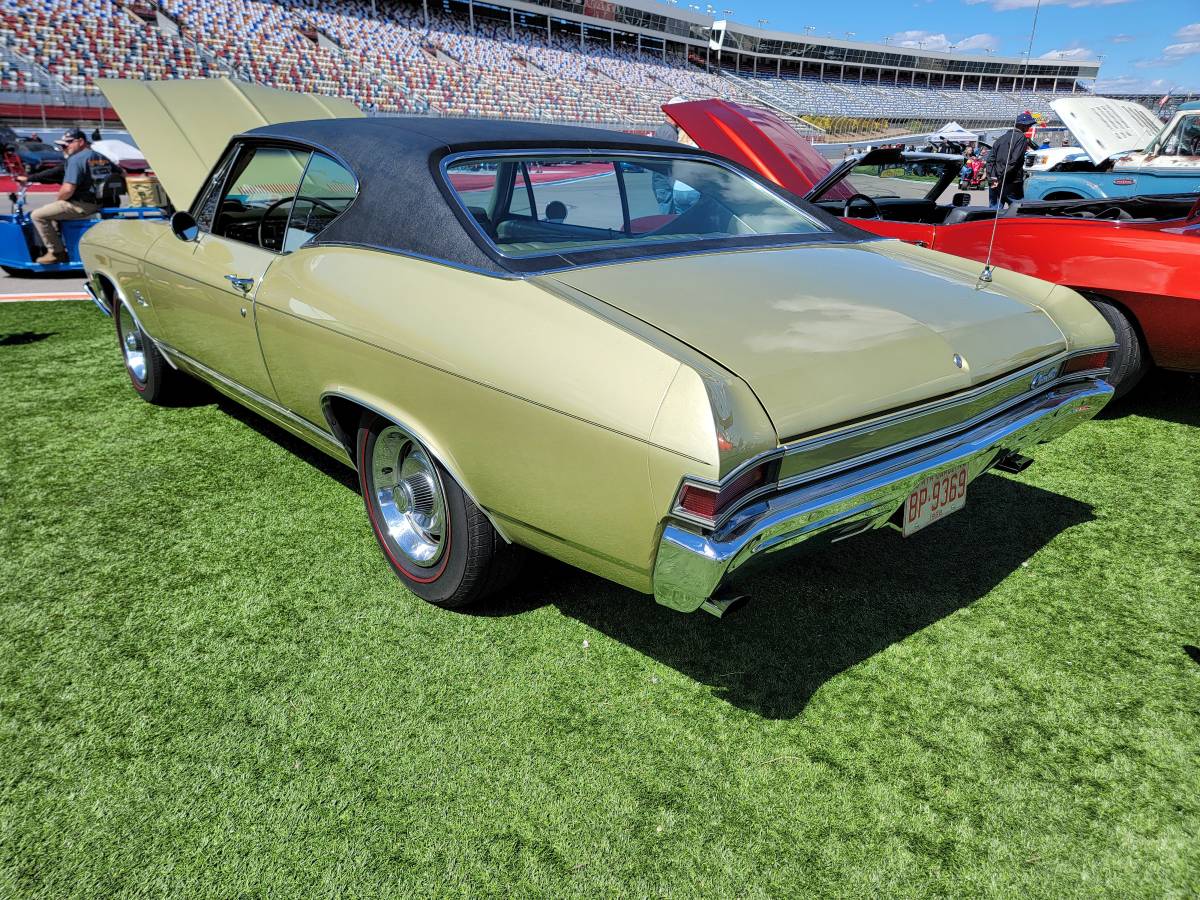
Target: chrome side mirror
<point x="184" y="226"/>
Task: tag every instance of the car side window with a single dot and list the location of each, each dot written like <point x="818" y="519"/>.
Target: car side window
<point x="206" y="209"/>
<point x="258" y="197"/>
<point x="327" y="189"/>
<point x="577" y="192"/>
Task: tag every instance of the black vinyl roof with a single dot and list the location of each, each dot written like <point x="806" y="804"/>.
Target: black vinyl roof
<point x="403" y="204"/>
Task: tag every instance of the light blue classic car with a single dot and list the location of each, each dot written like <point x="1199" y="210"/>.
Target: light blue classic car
<point x="1130" y="152"/>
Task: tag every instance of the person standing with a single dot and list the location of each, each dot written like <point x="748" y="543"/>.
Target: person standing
<point x="84" y="176"/>
<point x="1006" y="163"/>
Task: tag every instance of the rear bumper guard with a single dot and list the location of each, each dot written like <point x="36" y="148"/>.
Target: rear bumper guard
<point x="692" y="566"/>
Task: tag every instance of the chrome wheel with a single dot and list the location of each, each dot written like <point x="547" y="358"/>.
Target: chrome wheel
<point x="407" y="491"/>
<point x="131" y="343"/>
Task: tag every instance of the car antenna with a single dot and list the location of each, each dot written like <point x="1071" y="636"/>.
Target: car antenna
<point x="985" y="277"/>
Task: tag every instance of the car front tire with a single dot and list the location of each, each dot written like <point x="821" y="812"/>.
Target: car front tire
<point x="149" y="373"/>
<point x="437" y="541"/>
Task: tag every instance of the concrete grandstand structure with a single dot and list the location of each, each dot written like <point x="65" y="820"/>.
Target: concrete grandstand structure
<point x="590" y="61"/>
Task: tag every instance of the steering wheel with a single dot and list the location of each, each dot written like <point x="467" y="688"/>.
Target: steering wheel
<point x="1114" y="212"/>
<point x="854" y="198"/>
<point x="316" y="201"/>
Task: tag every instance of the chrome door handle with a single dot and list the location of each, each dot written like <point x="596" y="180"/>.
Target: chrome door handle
<point x="242" y="284"/>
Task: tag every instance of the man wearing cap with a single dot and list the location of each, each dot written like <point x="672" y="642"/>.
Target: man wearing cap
<point x="1006" y="164"/>
<point x="78" y="198"/>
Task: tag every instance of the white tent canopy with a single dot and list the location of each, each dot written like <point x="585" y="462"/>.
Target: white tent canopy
<point x="952" y="131"/>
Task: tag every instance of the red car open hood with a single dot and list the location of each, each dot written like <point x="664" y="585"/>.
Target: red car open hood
<point x="756" y="138"/>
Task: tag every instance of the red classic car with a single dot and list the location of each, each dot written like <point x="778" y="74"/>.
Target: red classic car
<point x="1136" y="258"/>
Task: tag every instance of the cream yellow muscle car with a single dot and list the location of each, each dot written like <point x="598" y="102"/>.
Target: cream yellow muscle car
<point x="631" y="355"/>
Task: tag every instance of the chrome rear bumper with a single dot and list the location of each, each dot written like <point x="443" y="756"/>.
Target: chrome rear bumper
<point x="691" y="565"/>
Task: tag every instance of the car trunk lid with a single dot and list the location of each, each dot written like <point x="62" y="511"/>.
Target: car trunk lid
<point x="827" y="334"/>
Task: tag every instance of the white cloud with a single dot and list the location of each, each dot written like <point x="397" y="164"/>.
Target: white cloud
<point x="1176" y="52"/>
<point x="928" y="40"/>
<point x="1004" y="5"/>
<point x="1122" y="39"/>
<point x="1127" y="84"/>
<point x="979" y="42"/>
<point x="1073" y="53"/>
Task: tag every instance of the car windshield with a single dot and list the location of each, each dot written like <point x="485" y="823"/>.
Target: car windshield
<point x="538" y="205"/>
<point x="910" y="180"/>
<point x="34" y="145"/>
<point x="1179" y="138"/>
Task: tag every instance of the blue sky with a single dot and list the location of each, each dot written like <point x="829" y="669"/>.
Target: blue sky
<point x="1148" y="45"/>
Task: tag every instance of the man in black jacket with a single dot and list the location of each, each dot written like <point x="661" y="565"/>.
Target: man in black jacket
<point x="1006" y="163"/>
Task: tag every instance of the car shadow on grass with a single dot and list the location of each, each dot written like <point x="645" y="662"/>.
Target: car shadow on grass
<point x="810" y="618"/>
<point x="1170" y="396"/>
<point x="822" y="611"/>
<point x="20" y="338"/>
<point x="323" y="463"/>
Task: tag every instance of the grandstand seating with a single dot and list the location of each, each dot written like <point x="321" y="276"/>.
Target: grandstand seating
<point x="898" y="102"/>
<point x="386" y="57"/>
<point x="77" y="41"/>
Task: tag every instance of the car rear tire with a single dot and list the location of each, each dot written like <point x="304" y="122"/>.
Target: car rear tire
<point x="149" y="373"/>
<point x="437" y="541"/>
<point x="1130" y="360"/>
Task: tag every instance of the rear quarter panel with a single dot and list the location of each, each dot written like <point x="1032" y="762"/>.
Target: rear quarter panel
<point x="545" y="411"/>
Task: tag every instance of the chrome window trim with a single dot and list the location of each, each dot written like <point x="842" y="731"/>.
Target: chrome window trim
<point x="819" y="227"/>
<point x="239" y="144"/>
<point x="1057" y="361"/>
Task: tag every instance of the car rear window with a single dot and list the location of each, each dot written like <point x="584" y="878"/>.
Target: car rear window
<point x="538" y="205"/>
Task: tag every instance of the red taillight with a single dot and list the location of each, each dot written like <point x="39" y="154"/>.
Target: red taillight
<point x="708" y="503"/>
<point x="1087" y="362"/>
<point x="698" y="501"/>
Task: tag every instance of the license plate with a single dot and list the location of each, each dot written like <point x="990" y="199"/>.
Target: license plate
<point x="934" y="498"/>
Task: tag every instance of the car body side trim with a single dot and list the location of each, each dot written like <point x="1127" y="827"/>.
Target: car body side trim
<point x="100" y="304"/>
<point x="96" y="298"/>
<point x="264" y="404"/>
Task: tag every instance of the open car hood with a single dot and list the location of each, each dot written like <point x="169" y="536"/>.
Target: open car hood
<point x="756" y="138"/>
<point x="1105" y="127"/>
<point x="829" y="333"/>
<point x="183" y="126"/>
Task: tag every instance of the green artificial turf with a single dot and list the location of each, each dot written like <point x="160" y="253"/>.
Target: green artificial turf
<point x="212" y="686"/>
